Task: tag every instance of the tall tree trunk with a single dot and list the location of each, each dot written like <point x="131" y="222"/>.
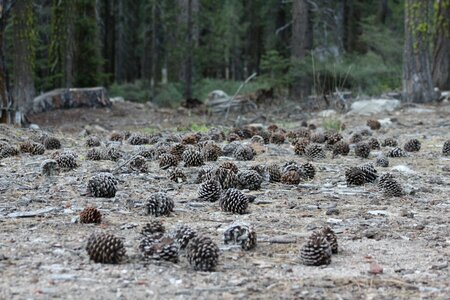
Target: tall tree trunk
<point x="189" y="65"/>
<point x="5" y="98"/>
<point x="383" y="11"/>
<point x="108" y="20"/>
<point x="441" y="55"/>
<point x="301" y="45"/>
<point x="23" y="58"/>
<point x="417" y="82"/>
<point x="120" y="53"/>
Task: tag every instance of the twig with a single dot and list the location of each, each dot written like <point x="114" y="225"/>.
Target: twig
<point x="237" y="92"/>
<point x="125" y="163"/>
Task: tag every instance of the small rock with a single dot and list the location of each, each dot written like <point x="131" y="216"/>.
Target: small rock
<point x="370" y="233"/>
<point x="332" y="211"/>
<point x="375" y="268"/>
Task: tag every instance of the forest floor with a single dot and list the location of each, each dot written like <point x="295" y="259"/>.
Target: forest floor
<point x="43" y="256"/>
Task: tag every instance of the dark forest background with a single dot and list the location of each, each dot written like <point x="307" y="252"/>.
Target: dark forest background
<point x="171" y="50"/>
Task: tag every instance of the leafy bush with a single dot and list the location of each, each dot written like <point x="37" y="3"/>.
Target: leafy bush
<point x="135" y="91"/>
<point x="169" y="95"/>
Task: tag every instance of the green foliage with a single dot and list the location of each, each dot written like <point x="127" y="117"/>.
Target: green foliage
<point x="169" y="95"/>
<point x="332" y="124"/>
<point x="136" y="91"/>
<point x="274" y="69"/>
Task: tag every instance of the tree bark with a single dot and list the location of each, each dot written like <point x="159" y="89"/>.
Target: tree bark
<point x="417" y="81"/>
<point x="441" y="54"/>
<point x="23" y="58"/>
<point x="6" y="100"/>
<point x="301" y="45"/>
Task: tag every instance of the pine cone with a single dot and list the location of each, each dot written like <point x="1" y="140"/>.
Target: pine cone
<point x="370" y="174"/>
<point x="102" y="185"/>
<point x="203" y="254"/>
<point x="244" y="153"/>
<point x="110" y="153"/>
<point x="211" y="152"/>
<point x="257" y="139"/>
<point x="341" y="148"/>
<point x="242" y="234"/>
<point x="32" y="148"/>
<point x="209" y="190"/>
<point x="159" y="204"/>
<point x="52" y="143"/>
<point x="233" y="137"/>
<point x="159" y="249"/>
<point x="250" y="179"/>
<point x="243" y="133"/>
<point x="226" y="177"/>
<point x="274" y="173"/>
<point x="389" y="142"/>
<point x="391" y="188"/>
<point x="90" y="215"/>
<point x="316" y="251"/>
<point x="177" y="175"/>
<point x="152" y="228"/>
<point x="94" y="154"/>
<point x="318" y="138"/>
<point x="382" y="161"/>
<point x="331" y="237"/>
<point x="384" y="178"/>
<point x="300" y="146"/>
<point x="356" y="138"/>
<point x="303" y="133"/>
<point x="291" y="177"/>
<point x="92" y="141"/>
<point x="183" y="234"/>
<point x="362" y="150"/>
<point x="190" y="139"/>
<point x="232" y="200"/>
<point x="373" y="124"/>
<point x="314" y="152"/>
<point x="230" y="148"/>
<point x="355" y="176"/>
<point x="167" y="160"/>
<point x="105" y="248"/>
<point x="206" y="173"/>
<point x="49" y="167"/>
<point x="138" y="139"/>
<point x="138" y="164"/>
<point x="6" y="150"/>
<point x="374" y="144"/>
<point x="229" y="165"/>
<point x="446" y="148"/>
<point x="277" y="138"/>
<point x="178" y="150"/>
<point x="333" y="137"/>
<point x="307" y="171"/>
<point x="192" y="158"/>
<point x="67" y="160"/>
<point x="396" y="152"/>
<point x="116" y="137"/>
<point x="413" y="145"/>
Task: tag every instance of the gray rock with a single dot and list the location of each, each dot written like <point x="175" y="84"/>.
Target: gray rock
<point x="374" y="106"/>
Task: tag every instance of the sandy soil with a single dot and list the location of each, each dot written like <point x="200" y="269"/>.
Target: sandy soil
<point x="44" y="256"/>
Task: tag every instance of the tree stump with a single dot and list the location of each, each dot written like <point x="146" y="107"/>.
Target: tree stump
<point x="71" y="98"/>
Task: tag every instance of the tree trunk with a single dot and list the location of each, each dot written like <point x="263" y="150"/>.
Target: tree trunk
<point x="190" y="47"/>
<point x="23" y="58"/>
<point x="441" y="55"/>
<point x="120" y="54"/>
<point x="6" y="100"/>
<point x="301" y="45"/>
<point x="417" y="82"/>
<point x="383" y="11"/>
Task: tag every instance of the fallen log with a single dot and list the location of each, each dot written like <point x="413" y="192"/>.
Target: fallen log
<point x="71" y="98"/>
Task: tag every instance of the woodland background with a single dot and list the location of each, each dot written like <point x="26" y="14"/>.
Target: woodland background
<point x="168" y="51"/>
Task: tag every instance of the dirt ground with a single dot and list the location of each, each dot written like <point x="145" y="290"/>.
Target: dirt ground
<point x="44" y="256"/>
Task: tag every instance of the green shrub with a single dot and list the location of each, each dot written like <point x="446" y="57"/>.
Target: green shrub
<point x="135" y="91"/>
<point x="169" y="95"/>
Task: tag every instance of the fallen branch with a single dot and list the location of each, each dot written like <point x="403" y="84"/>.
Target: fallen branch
<point x="237" y="92"/>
